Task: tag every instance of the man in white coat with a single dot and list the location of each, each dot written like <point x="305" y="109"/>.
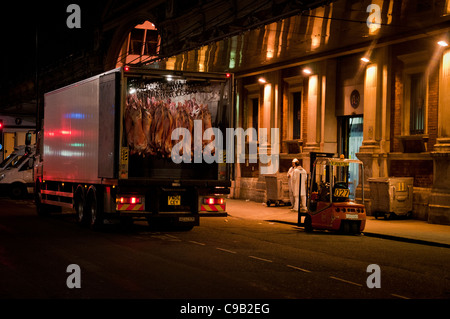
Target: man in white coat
<point x="299" y="178"/>
<point x="289" y="175"/>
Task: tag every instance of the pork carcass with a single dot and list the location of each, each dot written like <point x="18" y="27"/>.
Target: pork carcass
<point x="202" y="113"/>
<point x="156" y="128"/>
<point x="183" y="119"/>
<point x="167" y="131"/>
<point x="161" y="130"/>
<point x="133" y="124"/>
<point x="148" y="113"/>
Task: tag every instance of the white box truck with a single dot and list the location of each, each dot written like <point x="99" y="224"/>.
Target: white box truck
<point x="109" y="147"/>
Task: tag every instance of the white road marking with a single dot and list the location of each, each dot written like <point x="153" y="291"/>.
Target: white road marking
<point x="399" y="296"/>
<point x="346" y="281"/>
<point x="262" y="259"/>
<point x="226" y="250"/>
<point x="197" y="243"/>
<point x="298" y="268"/>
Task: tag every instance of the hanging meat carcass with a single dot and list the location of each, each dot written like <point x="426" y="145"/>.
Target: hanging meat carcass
<point x="161" y="130"/>
<point x="183" y="119"/>
<point x="201" y="112"/>
<point x="133" y="125"/>
<point x="168" y="126"/>
<point x="149" y="124"/>
<point x="148" y="114"/>
<point x="156" y="128"/>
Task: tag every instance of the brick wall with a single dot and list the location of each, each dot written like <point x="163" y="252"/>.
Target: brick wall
<point x="421" y="170"/>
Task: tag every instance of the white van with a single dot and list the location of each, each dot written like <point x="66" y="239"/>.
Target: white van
<point x="16" y="178"/>
<point x="12" y="158"/>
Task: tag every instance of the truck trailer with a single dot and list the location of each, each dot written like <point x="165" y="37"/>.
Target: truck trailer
<point x="109" y="147"/>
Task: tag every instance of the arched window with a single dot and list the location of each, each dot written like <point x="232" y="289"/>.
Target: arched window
<point x="141" y="45"/>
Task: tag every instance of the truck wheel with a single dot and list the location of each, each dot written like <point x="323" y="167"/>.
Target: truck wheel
<point x="80" y="206"/>
<point x="18" y="190"/>
<point x="94" y="210"/>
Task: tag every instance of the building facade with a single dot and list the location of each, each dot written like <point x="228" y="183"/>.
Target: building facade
<point x="367" y="79"/>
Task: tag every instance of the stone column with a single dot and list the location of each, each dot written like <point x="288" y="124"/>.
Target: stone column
<point x="314" y="121"/>
<point x="314" y="114"/>
<point x="369" y="150"/>
<point x="439" y="205"/>
<point x="375" y="145"/>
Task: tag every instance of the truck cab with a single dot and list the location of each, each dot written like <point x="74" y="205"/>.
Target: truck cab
<point x="12" y="158"/>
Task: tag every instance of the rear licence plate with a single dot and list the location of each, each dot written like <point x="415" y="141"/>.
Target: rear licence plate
<point x="174" y="200"/>
<point x="186" y="219"/>
<point x="351" y="216"/>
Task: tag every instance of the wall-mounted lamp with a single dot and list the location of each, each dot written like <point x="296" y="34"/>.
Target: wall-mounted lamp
<point x="443" y="43"/>
<point x="307" y="71"/>
<point x="364" y="59"/>
<point x="262" y="80"/>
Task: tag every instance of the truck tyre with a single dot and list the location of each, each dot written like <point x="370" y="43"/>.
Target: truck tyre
<point x="94" y="210"/>
<point x="80" y="206"/>
<point x="18" y="190"/>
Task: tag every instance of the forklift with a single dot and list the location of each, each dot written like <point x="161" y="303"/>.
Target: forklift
<point x="331" y="197"/>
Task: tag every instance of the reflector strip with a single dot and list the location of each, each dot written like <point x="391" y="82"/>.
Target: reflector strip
<point x="212" y="208"/>
<point x="130" y="206"/>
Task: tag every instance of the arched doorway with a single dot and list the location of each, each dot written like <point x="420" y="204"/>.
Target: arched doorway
<point x="141" y="44"/>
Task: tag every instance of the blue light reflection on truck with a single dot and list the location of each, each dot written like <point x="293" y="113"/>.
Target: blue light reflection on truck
<point x="77" y="116"/>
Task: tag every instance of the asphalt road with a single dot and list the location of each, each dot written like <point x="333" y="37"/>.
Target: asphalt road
<point x="223" y="258"/>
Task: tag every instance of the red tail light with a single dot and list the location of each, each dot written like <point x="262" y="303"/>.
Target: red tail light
<point x="129" y="200"/>
<point x="214" y="201"/>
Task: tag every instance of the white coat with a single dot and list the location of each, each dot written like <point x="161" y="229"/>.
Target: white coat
<point x="289" y="175"/>
<point x="299" y="172"/>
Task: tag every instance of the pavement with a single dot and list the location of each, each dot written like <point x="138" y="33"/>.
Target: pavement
<point x="408" y="230"/>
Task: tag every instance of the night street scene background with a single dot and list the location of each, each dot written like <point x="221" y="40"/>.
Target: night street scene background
<point x="121" y="187"/>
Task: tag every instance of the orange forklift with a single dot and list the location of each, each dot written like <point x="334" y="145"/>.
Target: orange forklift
<point x="331" y="196"/>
